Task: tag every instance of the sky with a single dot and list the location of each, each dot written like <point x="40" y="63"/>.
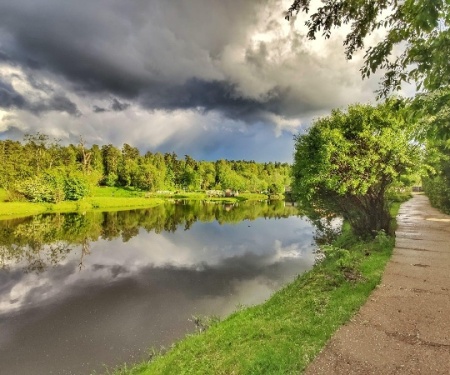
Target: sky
<point x="209" y="78"/>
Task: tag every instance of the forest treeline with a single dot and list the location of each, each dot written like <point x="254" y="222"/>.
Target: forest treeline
<point x="39" y="169"/>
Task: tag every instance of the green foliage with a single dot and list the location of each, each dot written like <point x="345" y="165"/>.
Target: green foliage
<point x="110" y="166"/>
<point x="53" y="186"/>
<point x="3" y="195"/>
<point x="416" y="44"/>
<point x="342" y="257"/>
<point x="76" y="187"/>
<point x="346" y="163"/>
<point x="110" y="180"/>
<point x="432" y="111"/>
<point x="437" y="189"/>
<point x="416" y="47"/>
<point x="383" y="240"/>
<point x="116" y="192"/>
<point x="45" y="187"/>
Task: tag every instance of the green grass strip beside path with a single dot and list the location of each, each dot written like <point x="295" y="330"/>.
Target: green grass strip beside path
<point x="284" y="334"/>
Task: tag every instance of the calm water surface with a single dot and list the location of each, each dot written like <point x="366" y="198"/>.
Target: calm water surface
<point x="81" y="291"/>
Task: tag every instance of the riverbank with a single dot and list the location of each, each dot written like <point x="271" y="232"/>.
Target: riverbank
<point x="404" y="327"/>
<point x="104" y="199"/>
<point x="285" y="333"/>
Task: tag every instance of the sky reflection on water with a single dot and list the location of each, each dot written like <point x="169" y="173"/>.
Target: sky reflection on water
<point x="126" y="297"/>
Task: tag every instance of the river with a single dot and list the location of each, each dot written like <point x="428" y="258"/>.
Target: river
<point x="79" y="292"/>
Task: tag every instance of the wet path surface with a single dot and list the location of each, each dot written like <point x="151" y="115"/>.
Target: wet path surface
<point x="404" y="327"/>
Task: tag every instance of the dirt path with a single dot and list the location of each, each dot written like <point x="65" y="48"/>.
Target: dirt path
<point x="404" y="327"/>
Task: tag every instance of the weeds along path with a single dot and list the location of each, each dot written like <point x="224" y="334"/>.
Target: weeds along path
<point x="404" y="327"/>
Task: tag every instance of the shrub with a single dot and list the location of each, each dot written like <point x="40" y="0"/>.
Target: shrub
<point x="41" y="188"/>
<point x="75" y="187"/>
<point x="52" y="187"/>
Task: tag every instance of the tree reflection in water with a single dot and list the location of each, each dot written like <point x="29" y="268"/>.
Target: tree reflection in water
<point x="45" y="240"/>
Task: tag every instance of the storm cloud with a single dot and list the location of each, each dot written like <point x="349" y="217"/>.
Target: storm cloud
<point x="10" y="98"/>
<point x="241" y="60"/>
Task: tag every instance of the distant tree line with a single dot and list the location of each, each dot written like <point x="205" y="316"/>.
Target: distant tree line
<point x="42" y="170"/>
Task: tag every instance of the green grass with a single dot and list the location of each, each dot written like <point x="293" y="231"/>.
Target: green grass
<point x="104" y="198"/>
<point x="107" y="198"/>
<point x="284" y="334"/>
<point x="9" y="210"/>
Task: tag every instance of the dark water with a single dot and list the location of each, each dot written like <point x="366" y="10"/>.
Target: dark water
<point x="80" y="291"/>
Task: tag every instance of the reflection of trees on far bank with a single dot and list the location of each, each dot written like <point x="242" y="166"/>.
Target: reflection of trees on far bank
<point x="45" y="240"/>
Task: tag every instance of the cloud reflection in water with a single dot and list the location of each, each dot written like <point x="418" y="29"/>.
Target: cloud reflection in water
<point x="140" y="294"/>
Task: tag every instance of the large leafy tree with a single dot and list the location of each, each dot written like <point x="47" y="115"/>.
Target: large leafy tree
<point x="347" y="162"/>
<point x="416" y="45"/>
<point x="415" y="48"/>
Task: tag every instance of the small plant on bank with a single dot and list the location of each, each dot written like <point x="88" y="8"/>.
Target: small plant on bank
<point x="202" y="323"/>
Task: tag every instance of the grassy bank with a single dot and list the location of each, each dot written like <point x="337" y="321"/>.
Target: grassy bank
<point x="104" y="199"/>
<point x="101" y="199"/>
<point x="285" y="333"/>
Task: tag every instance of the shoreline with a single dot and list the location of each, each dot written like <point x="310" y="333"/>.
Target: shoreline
<point x="285" y="333"/>
<point x="14" y="210"/>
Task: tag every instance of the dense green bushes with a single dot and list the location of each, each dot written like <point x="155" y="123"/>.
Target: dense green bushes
<point x="52" y="187"/>
<point x="437" y="188"/>
<point x="436" y="182"/>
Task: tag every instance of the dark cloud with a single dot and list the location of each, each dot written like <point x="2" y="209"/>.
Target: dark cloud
<point x="118" y="106"/>
<point x="154" y="53"/>
<point x="10" y="98"/>
<point x="11" y="132"/>
<point x="98" y="109"/>
<point x="59" y="103"/>
<point x="169" y="76"/>
<point x="88" y="42"/>
<point x="220" y="96"/>
<point x="4" y="56"/>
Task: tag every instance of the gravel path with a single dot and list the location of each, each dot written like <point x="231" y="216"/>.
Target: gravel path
<point x="404" y="327"/>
